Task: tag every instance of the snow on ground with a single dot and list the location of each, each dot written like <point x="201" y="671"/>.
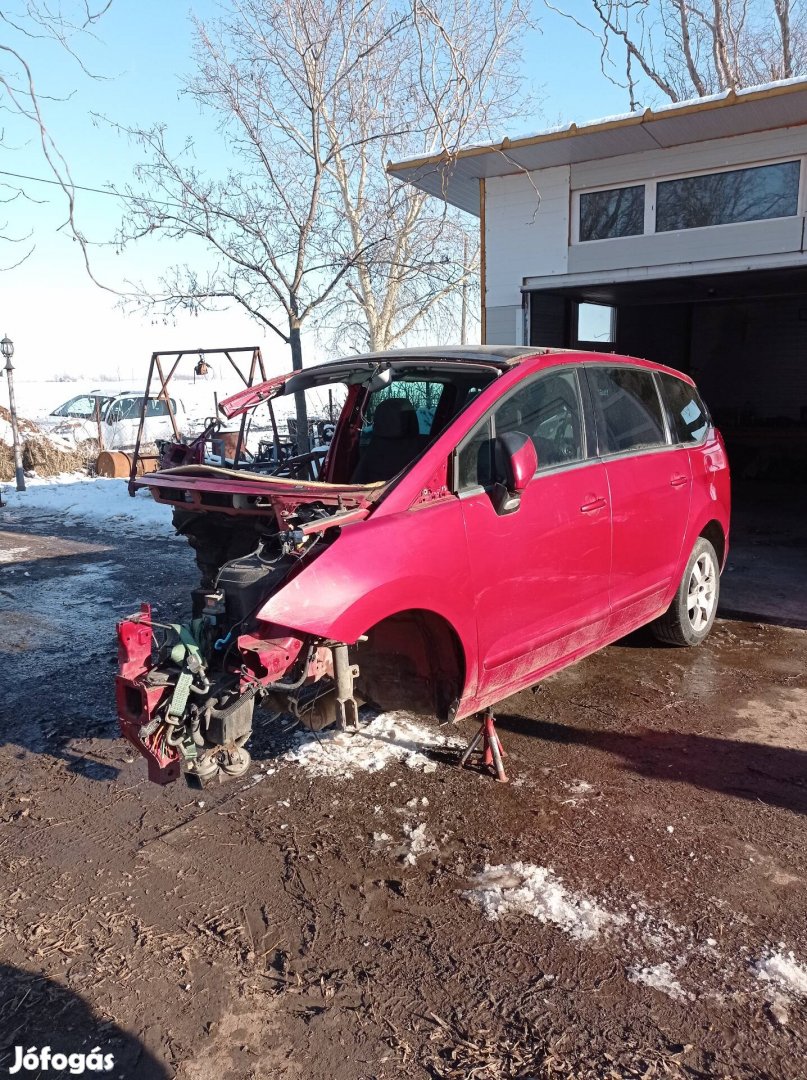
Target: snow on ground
<point x="660" y="977"/>
<point x="526" y="889"/>
<point x="387" y="738"/>
<point x="74" y="497"/>
<point x="784" y="971"/>
<point x="418" y="842"/>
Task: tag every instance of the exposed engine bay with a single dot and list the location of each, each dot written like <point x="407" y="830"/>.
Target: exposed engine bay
<point x="186" y="693"/>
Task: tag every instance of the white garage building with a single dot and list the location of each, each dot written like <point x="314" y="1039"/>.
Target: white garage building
<point x="676" y="234"/>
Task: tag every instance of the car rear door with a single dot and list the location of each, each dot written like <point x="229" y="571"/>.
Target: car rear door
<point x="540" y="575"/>
<point x="650" y="485"/>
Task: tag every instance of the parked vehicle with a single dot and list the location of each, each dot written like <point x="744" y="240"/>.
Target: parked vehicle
<point x="557" y="501"/>
<point x="113" y="419"/>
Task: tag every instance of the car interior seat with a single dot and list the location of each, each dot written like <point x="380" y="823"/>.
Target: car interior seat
<point x="394" y="442"/>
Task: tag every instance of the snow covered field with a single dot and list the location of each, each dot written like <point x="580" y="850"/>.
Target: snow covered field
<point x="73" y="497"/>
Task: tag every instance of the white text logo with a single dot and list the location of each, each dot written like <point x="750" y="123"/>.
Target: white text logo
<point x="32" y="1059"/>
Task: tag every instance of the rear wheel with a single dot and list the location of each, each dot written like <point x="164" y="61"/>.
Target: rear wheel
<point x="690" y="616"/>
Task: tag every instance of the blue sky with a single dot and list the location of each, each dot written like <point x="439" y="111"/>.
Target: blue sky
<point x="58" y="318"/>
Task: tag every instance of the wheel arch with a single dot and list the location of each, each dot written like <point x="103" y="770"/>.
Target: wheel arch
<point x="413" y="659"/>
<point x="714" y="533"/>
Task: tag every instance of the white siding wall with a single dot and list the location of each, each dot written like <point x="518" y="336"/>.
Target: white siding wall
<point x="524" y="235"/>
<point x="505" y="325"/>
<point x="527" y="238"/>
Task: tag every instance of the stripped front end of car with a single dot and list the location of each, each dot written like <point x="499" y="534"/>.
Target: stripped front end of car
<point x="186" y="693"/>
<point x="267" y="542"/>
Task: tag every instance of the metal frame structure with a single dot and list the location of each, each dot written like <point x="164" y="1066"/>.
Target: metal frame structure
<point x="256" y="367"/>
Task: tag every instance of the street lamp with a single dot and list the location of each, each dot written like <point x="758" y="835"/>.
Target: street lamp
<point x="7" y="349"/>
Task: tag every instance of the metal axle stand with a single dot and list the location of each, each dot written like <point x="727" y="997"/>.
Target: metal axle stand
<point x="491" y="750"/>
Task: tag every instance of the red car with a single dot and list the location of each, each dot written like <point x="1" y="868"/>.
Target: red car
<point x="484" y="516"/>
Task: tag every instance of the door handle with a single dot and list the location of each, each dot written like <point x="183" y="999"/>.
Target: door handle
<point x="679" y="481"/>
<point x="595" y="504"/>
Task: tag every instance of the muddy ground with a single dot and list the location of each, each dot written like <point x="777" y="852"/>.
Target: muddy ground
<point x="293" y="928"/>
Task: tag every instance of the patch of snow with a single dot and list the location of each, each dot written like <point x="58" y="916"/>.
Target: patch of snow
<point x="12" y="554"/>
<point x="784" y="971"/>
<point x="419" y="843"/>
<point x="388" y="738"/>
<point x="74" y="497"/>
<point x="523" y="888"/>
<point x="579" y="787"/>
<point x="660" y="977"/>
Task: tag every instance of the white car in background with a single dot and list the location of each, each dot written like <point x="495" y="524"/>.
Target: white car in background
<point x="114" y="419"/>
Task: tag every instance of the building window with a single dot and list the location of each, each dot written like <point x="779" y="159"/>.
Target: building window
<point x="617" y="212"/>
<point x="725" y="198"/>
<point x="596" y="323"/>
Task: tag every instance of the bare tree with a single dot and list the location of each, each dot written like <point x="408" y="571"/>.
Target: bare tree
<point x="693" y="48"/>
<point x="311" y="98"/>
<point x="66" y="24"/>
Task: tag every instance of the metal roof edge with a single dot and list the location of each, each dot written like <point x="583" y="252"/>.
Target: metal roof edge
<point x="638" y="119"/>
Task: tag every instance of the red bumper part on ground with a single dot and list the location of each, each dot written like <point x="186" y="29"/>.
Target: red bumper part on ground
<point x="137" y="702"/>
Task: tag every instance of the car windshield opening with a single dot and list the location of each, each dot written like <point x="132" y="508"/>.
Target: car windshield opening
<point x="398" y="421"/>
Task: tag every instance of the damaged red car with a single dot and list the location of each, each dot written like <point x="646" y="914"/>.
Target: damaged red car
<point x="482" y="518"/>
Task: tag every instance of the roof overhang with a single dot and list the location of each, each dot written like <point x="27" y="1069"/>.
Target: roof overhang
<point x="455" y="177"/>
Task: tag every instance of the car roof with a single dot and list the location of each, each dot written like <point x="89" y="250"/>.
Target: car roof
<point x="502" y="356"/>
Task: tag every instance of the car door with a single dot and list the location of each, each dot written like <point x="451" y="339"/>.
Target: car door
<point x="158" y="420"/>
<point x="539" y="574"/>
<point x="121" y="422"/>
<point x="650" y="485"/>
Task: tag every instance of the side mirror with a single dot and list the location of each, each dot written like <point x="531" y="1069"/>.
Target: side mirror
<point x="516" y="462"/>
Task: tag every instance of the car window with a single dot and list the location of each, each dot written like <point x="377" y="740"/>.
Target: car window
<point x="124" y="409"/>
<point x="159" y="407"/>
<point x="688" y="415"/>
<point x="79" y="407"/>
<point x="475" y="460"/>
<point x="547" y="409"/>
<point x="422" y="395"/>
<point x="627" y="409"/>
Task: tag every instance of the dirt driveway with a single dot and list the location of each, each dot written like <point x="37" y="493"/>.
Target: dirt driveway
<point x="632" y="904"/>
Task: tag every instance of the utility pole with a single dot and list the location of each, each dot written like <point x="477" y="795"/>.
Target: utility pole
<point x="7" y="349"/>
<point x="464" y="315"/>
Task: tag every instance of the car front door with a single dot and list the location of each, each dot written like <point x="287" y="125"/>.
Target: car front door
<point x="540" y="573"/>
<point x="650" y="484"/>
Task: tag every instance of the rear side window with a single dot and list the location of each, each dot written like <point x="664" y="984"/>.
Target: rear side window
<point x="627" y="408"/>
<point x="422" y="395"/>
<point x="159" y="407"/>
<point x="688" y="416"/>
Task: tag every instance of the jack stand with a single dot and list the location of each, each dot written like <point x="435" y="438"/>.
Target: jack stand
<point x="491" y="751"/>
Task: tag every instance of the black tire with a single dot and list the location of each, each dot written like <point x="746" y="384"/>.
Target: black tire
<point x="686" y="623"/>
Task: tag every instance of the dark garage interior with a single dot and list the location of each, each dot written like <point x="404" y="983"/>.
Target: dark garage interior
<point x="742" y="337"/>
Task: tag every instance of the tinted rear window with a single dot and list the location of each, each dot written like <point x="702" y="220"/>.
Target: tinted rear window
<point x="627" y="408"/>
<point x="688" y="416"/>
